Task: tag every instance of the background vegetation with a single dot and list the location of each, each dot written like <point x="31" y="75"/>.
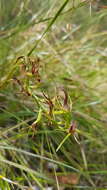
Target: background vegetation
<point x="53" y="126"/>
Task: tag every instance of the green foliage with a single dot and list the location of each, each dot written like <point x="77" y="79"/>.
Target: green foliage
<point x="52" y="94"/>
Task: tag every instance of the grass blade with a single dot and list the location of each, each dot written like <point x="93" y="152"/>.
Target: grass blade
<point x="49" y="26"/>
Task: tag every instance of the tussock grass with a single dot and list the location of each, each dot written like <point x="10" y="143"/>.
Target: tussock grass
<point x="53" y="95"/>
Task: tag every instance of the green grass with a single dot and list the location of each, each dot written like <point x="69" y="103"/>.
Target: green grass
<point x="53" y="95"/>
